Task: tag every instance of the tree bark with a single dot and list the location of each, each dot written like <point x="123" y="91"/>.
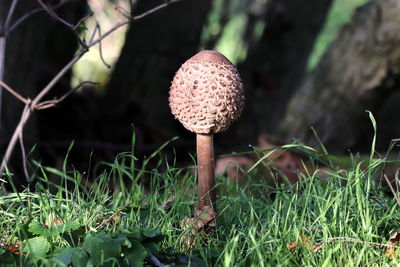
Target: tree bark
<point x="154" y="49"/>
<point x="358" y="71"/>
<point x="274" y="69"/>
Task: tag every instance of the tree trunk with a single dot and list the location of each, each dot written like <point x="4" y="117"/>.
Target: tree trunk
<point x="360" y="68"/>
<point x="274" y="68"/>
<point x="154" y="49"/>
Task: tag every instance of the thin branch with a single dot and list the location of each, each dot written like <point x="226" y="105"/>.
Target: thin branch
<point x="51" y="103"/>
<point x="148" y="12"/>
<point x="20" y="127"/>
<point x="138" y="17"/>
<point x="59" y="75"/>
<point x="76" y="31"/>
<point x="94" y="32"/>
<point x="354" y="240"/>
<point x="107" y="33"/>
<point x="395" y="194"/>
<point x="15" y="94"/>
<point x="67" y="24"/>
<point x="3" y="40"/>
<point x="101" y="50"/>
<point x="29" y="107"/>
<point x="9" y="15"/>
<point x="123" y="12"/>
<point x="54" y="15"/>
<point x="82" y="20"/>
<point x="33" y="12"/>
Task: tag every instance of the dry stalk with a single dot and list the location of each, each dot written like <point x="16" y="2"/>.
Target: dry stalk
<point x="357" y="241"/>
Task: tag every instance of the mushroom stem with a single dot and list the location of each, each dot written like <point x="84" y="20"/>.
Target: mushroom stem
<point x="205" y="171"/>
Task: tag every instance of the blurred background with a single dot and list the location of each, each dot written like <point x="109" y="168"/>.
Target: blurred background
<point x="310" y="68"/>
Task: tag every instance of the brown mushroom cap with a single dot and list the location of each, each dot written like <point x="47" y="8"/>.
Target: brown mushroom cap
<point x="206" y="94"/>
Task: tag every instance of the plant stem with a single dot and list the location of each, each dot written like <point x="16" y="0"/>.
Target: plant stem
<point x="205" y="171"/>
<point x="2" y="62"/>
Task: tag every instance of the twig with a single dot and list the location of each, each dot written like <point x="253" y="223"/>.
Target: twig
<point x="15" y="94"/>
<point x="59" y="75"/>
<point x="29" y="108"/>
<point x="132" y="19"/>
<point x="67" y="24"/>
<point x="395" y="194"/>
<point x="396" y="181"/>
<point x="105" y="221"/>
<point x="354" y="240"/>
<point x="76" y="32"/>
<point x="3" y="40"/>
<point x="114" y="28"/>
<point x="31" y="13"/>
<point x="24" y="118"/>
<point x="35" y="102"/>
<point x="9" y="15"/>
<point x="52" y="103"/>
<point x="101" y="50"/>
<point x="54" y="15"/>
<point x="123" y="12"/>
<point x="81" y="21"/>
<point x="94" y="32"/>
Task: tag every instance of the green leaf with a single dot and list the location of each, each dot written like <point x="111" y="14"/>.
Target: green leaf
<point x="38" y="229"/>
<point x="153" y="234"/>
<point x="80" y="258"/>
<point x="6" y="258"/>
<point x="65" y="257"/>
<point x="136" y="254"/>
<point x="74" y="256"/>
<point x="103" y="247"/>
<point x="74" y="236"/>
<point x="191" y="261"/>
<point x="82" y="27"/>
<point x="37" y="246"/>
<point x="23" y="231"/>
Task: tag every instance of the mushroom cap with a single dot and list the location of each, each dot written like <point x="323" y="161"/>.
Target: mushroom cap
<point x="206" y="94"/>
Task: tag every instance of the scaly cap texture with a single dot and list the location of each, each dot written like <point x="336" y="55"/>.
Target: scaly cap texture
<point x="206" y="94"/>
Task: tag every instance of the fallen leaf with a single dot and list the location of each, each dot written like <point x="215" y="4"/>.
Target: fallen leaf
<point x="393" y="239"/>
<point x="291" y="246"/>
<point x="390" y="253"/>
<point x="305" y="241"/>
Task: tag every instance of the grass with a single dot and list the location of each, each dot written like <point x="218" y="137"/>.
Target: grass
<point x="339" y="220"/>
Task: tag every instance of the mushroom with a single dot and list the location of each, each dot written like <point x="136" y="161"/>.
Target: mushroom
<point x="206" y="96"/>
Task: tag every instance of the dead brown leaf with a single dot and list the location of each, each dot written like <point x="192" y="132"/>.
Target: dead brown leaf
<point x="292" y="246"/>
<point x="393" y="239"/>
<point x="305" y="241"/>
<point x="390" y="253"/>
